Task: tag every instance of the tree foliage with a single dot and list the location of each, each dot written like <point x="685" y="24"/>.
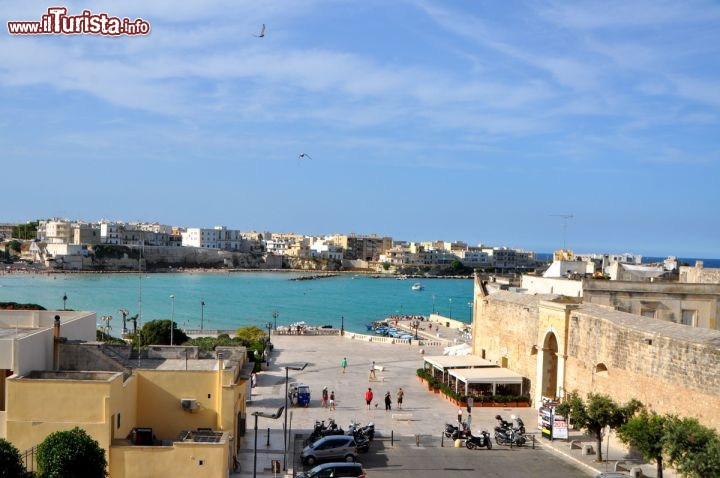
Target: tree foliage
<point x="157" y="332"/>
<point x="596" y="413"/>
<point x="693" y="449"/>
<point x="11" y="465"/>
<point x="250" y="334"/>
<point x="645" y="432"/>
<point x="71" y="454"/>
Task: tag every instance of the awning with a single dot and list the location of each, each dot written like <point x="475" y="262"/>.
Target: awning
<point x="443" y="362"/>
<point x="494" y="376"/>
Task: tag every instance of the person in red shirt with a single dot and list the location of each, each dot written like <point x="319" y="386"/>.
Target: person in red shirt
<point x="368" y="397"/>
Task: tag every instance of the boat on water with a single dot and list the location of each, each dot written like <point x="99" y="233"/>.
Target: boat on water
<point x="417" y="286"/>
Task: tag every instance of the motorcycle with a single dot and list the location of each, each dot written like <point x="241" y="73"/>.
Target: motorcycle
<point x="507" y="434"/>
<point x="321" y="430"/>
<point x="359" y="431"/>
<point x="454" y="432"/>
<point x="478" y="441"/>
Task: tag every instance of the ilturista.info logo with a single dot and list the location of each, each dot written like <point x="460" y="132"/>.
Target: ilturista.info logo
<point x="57" y="22"/>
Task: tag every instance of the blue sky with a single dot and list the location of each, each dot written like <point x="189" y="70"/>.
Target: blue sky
<point x="425" y="120"/>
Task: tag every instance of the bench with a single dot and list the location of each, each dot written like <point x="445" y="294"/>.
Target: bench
<point x="402" y="416"/>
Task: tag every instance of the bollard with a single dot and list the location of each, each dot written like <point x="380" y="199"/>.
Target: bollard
<point x="268" y="437"/>
<point x="533" y="440"/>
<point x="442" y="440"/>
<point x="417" y="440"/>
<point x="392" y="437"/>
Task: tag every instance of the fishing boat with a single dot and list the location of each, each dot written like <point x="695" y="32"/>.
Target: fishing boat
<point x="417" y="286"/>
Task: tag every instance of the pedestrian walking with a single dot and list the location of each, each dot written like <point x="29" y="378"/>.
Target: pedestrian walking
<point x="343" y="363"/>
<point x="324" y="397"/>
<point x="368" y="397"/>
<point x="372" y="370"/>
<point x="400" y="395"/>
<point x="388" y="402"/>
<point x="460" y="416"/>
<point x="332" y="400"/>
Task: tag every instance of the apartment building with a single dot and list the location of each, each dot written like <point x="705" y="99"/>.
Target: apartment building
<point x="169" y="413"/>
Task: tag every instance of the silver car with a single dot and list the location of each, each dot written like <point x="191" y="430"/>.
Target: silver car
<point x="330" y="448"/>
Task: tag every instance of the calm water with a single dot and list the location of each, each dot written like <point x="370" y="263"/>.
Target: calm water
<point x="236" y="299"/>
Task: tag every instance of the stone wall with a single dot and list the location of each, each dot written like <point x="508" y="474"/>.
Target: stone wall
<point x="699" y="275"/>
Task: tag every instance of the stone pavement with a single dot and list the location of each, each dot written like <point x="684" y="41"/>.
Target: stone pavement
<point x="424" y="413"/>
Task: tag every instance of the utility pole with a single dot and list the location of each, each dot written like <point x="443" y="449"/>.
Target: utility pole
<point x="565" y="221"/>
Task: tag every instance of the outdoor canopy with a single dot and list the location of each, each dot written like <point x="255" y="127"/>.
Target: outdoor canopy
<point x="495" y="376"/>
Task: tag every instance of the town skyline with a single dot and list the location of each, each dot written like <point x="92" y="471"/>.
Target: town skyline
<point x="249" y="232"/>
<point x="482" y="122"/>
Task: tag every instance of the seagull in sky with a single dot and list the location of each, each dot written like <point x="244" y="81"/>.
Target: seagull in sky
<point x="304" y="156"/>
<point x="262" y="32"/>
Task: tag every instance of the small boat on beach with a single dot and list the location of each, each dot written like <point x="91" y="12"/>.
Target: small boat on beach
<point x="417" y="286"/>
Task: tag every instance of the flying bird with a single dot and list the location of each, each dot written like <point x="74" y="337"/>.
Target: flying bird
<point x="303" y="156"/>
<point x="262" y="32"/>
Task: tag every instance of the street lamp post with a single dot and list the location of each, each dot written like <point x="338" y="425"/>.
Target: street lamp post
<point x="342" y="325"/>
<point x="450" y="300"/>
<point x="269" y="327"/>
<point x="416" y="324"/>
<point x="275" y="315"/>
<point x="274" y="416"/>
<point x="202" y="313"/>
<point x="64" y="300"/>
<point x="285" y="430"/>
<point x="433" y="303"/>
<point x="172" y="318"/>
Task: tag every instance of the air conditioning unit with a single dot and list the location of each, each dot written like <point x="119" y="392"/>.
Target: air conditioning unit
<point x="188" y="404"/>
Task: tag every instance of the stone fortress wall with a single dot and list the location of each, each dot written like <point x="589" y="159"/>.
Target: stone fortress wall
<point x="669" y="367"/>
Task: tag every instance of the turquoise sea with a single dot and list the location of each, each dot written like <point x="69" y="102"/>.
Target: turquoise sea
<point x="236" y="299"/>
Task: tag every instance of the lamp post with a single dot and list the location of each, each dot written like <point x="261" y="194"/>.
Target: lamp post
<point x="275" y="315"/>
<point x="450" y="300"/>
<point x="433" y="303"/>
<point x="106" y="328"/>
<point x="269" y="327"/>
<point x="285" y="430"/>
<point x="342" y="325"/>
<point x="172" y="318"/>
<point x="202" y="313"/>
<point x="274" y="416"/>
<point x="416" y="324"/>
<point x="64" y="300"/>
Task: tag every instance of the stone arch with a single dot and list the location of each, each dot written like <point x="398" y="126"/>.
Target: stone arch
<point x="549" y="385"/>
<point x="601" y="370"/>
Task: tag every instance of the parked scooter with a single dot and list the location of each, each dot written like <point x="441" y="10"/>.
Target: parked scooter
<point x="506" y="434"/>
<point x="478" y="441"/>
<point x="359" y="431"/>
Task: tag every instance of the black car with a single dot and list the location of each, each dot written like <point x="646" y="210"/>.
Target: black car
<point x="335" y="470"/>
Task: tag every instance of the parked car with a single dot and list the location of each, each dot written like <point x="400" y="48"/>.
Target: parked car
<point x="330" y="448"/>
<point x="335" y="470"/>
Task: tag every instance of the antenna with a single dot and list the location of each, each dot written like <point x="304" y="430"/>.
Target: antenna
<point x="565" y="220"/>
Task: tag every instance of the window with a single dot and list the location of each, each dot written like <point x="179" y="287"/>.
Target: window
<point x="689" y="317"/>
<point x="650" y="313"/>
<point x="118" y="421"/>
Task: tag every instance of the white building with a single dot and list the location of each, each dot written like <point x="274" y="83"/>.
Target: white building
<point x="217" y="238"/>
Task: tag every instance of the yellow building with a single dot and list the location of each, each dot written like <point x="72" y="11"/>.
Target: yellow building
<point x="163" y="415"/>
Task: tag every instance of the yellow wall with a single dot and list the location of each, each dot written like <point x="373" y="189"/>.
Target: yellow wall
<point x="38" y="407"/>
<point x="198" y="460"/>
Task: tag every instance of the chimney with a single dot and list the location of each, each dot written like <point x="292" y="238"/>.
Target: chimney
<point x="56" y="343"/>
